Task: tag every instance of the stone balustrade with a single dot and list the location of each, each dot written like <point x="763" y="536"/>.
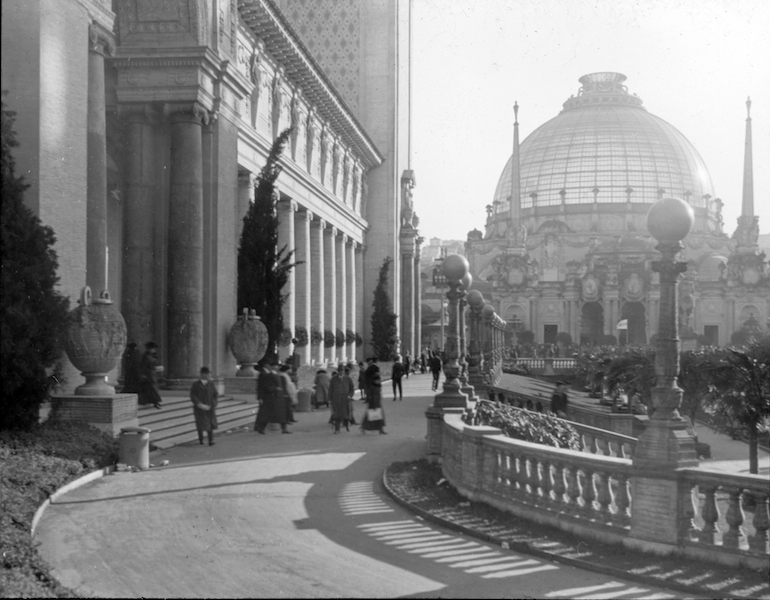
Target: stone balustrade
<point x="539" y="364"/>
<point x="590" y="493"/>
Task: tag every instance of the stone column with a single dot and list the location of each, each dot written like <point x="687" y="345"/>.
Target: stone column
<point x="138" y="223"/>
<point x="342" y="295"/>
<point x="246" y="194"/>
<point x="100" y="42"/>
<point x="330" y="287"/>
<point x="303" y="283"/>
<point x="318" y="264"/>
<point x="351" y="316"/>
<point x="359" y="251"/>
<point x="185" y="242"/>
<point x="417" y="300"/>
<point x="286" y="210"/>
<point x="407" y="293"/>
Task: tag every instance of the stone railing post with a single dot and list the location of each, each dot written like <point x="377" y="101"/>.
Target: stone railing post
<point x="473" y="459"/>
<point x="455" y="267"/>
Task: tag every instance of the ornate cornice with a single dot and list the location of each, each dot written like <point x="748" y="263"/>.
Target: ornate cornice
<point x="266" y="22"/>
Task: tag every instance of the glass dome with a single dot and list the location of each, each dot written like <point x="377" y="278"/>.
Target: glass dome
<point x="605" y="147"/>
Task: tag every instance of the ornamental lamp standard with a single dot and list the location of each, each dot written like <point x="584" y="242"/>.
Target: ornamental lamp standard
<point x="439" y="281"/>
<point x="665" y="441"/>
<point x="454" y="268"/>
<point x="465" y="284"/>
<point x="476" y="303"/>
<point x="488" y="314"/>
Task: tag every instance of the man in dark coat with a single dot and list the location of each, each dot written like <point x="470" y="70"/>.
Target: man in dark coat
<point x="371" y="370"/>
<point x="435" y="369"/>
<point x="559" y="399"/>
<point x="272" y="397"/>
<point x="203" y="395"/>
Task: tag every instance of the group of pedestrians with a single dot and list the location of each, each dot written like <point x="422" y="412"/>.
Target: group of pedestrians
<point x="277" y="395"/>
<point x="141" y="371"/>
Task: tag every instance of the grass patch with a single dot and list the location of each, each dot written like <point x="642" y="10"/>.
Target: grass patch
<point x="33" y="465"/>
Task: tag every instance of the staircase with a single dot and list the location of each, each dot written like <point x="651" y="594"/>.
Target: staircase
<point x="174" y="424"/>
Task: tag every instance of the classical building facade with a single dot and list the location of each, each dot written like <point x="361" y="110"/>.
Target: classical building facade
<point x="143" y="125"/>
<point x="565" y="246"/>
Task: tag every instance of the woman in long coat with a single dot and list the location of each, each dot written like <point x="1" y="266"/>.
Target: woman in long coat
<point x="149" y="367"/>
<point x="272" y="397"/>
<point x="322" y="382"/>
<point x="340" y="391"/>
<point x="374" y="401"/>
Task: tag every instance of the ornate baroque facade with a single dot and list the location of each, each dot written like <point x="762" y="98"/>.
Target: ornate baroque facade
<point x="143" y="126"/>
<point x="566" y="246"/>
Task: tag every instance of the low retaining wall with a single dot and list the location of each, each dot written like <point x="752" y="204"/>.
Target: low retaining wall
<point x="591" y="494"/>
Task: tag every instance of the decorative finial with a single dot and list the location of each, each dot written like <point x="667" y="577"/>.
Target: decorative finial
<point x="748" y="107"/>
<point x="515" y="112"/>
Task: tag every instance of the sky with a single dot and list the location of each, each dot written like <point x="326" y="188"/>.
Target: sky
<point x="692" y="62"/>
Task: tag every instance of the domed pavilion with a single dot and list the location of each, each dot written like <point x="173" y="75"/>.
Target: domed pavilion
<point x="565" y="247"/>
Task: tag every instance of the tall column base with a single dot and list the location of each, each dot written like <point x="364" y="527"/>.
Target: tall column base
<point x="451" y="396"/>
<point x="108" y="413"/>
<point x="665" y="445"/>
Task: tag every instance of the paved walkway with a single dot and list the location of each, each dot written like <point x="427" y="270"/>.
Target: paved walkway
<point x="302" y="515"/>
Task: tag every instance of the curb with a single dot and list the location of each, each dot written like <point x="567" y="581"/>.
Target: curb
<point x="527" y="548"/>
<point x="72" y="485"/>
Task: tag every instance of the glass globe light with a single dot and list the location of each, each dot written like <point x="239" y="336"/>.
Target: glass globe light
<point x="670" y="219"/>
<point x="475" y="299"/>
<point x="488" y="311"/>
<point x="455" y="267"/>
<point x="466" y="281"/>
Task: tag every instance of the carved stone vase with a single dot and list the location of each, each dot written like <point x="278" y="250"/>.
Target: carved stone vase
<point x="248" y="342"/>
<point x="94" y="341"/>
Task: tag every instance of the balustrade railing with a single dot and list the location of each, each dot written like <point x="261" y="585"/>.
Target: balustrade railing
<point x="590" y="492"/>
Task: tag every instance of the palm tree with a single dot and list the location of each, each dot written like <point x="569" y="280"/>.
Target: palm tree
<point x="741" y="379"/>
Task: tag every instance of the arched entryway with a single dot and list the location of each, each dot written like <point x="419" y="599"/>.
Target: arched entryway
<point x="591" y="323"/>
<point x="634" y="314"/>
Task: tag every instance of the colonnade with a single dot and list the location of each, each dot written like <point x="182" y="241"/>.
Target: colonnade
<point x="323" y="291"/>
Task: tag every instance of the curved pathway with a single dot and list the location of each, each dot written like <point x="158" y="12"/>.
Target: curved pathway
<point x="300" y="515"/>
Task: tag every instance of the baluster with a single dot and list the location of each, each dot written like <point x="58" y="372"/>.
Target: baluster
<point x="623" y="500"/>
<point x="604" y="495"/>
<point x="492" y="469"/>
<point x="534" y="478"/>
<point x="589" y="492"/>
<point x="505" y="474"/>
<point x="521" y="476"/>
<point x="545" y="480"/>
<point x="607" y="447"/>
<point x="758" y="541"/>
<point x="526" y="480"/>
<point x="710" y="514"/>
<point x="558" y="484"/>
<point x="733" y="537"/>
<point x="687" y="528"/>
<point x="573" y="489"/>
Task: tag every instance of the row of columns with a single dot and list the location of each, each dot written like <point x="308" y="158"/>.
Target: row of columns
<point x="411" y="293"/>
<point x="323" y="288"/>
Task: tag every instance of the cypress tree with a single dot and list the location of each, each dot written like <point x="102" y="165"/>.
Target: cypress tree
<point x="263" y="267"/>
<point x="384" y="327"/>
<point x="34" y="313"/>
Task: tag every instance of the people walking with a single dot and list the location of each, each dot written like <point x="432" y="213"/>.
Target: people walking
<point x="371" y="370"/>
<point x="272" y="397"/>
<point x="321" y="388"/>
<point x="132" y="359"/>
<point x="362" y="380"/>
<point x="149" y="368"/>
<point x="423" y="362"/>
<point x="407" y="364"/>
<point x="559" y="400"/>
<point x="289" y="390"/>
<point x="348" y="381"/>
<point x="435" y="369"/>
<point x="374" y="417"/>
<point x="340" y="391"/>
<point x="396" y="375"/>
<point x="203" y="395"/>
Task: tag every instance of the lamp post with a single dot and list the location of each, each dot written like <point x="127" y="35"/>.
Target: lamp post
<point x="454" y="268"/>
<point x="665" y="442"/>
<point x="465" y="284"/>
<point x="439" y="280"/>
<point x="488" y="314"/>
<point x="476" y="303"/>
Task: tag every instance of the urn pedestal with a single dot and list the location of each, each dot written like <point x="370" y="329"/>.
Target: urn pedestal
<point x="94" y="342"/>
<point x="248" y="342"/>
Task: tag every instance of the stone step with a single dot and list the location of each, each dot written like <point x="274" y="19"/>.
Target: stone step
<point x="175" y="423"/>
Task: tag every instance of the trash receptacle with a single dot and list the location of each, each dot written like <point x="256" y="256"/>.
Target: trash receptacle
<point x="134" y="447"/>
<point x="303" y="400"/>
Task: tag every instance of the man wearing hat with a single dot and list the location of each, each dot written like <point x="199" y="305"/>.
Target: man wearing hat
<point x="559" y="399"/>
<point x="203" y="395"/>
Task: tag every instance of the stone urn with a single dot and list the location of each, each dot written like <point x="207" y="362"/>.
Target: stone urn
<point x="248" y="342"/>
<point x="94" y="341"/>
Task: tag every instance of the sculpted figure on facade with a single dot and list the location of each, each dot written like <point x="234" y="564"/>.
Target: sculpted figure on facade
<point x="255" y="74"/>
<point x="325" y="142"/>
<point x="590" y="288"/>
<point x="311" y="133"/>
<point x="407" y="204"/>
<point x="345" y="175"/>
<point x="633" y="288"/>
<point x="336" y="160"/>
<point x="277" y="97"/>
<point x="356" y="181"/>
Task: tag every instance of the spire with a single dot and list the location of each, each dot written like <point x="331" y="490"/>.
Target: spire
<point x="747" y="208"/>
<point x="515" y="210"/>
